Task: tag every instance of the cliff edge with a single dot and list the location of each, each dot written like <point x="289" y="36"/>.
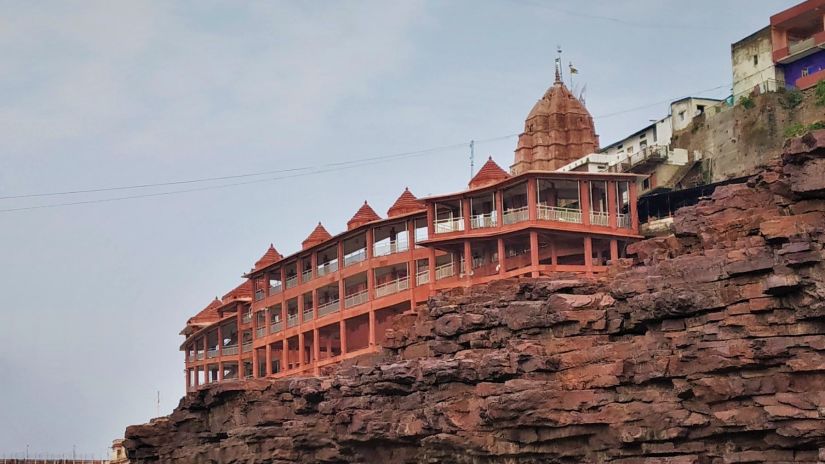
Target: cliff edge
<point x="708" y="348"/>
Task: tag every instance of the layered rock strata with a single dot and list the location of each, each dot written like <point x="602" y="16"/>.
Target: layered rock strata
<point x="708" y="348"/>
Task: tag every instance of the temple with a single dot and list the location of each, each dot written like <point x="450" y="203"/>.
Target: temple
<point x="334" y="299"/>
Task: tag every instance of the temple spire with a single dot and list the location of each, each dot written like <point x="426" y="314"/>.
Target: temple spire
<point x="558" y="64"/>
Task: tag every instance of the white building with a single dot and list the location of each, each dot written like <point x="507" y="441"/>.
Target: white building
<point x="753" y="67"/>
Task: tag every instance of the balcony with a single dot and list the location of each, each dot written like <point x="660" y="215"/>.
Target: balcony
<point x="212" y="353"/>
<point x="481" y="221"/>
<point x="230" y="350"/>
<point x="355" y="257"/>
<point x="356" y="299"/>
<point x="276" y="327"/>
<point x="260" y="332"/>
<point x="259" y="295"/>
<point x="514" y="215"/>
<point x="199" y="356"/>
<point x="308" y="314"/>
<point x="192" y="357"/>
<point x="800" y="48"/>
<point x="599" y="218"/>
<point x="444" y="271"/>
<point x="327" y="268"/>
<point x="291" y="281"/>
<point x="329" y="308"/>
<point x="422" y="277"/>
<point x="292" y="320"/>
<point x="246" y="318"/>
<point x="275" y="289"/>
<point x="306" y="276"/>
<point x="247" y="347"/>
<point x="445" y="226"/>
<point x="388" y="248"/>
<point x="391" y="287"/>
<point x="553" y="213"/>
<point x="623" y="220"/>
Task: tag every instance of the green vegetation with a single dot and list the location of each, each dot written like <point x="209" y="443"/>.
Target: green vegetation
<point x="797" y="129"/>
<point x="791" y="99"/>
<point x="819" y="93"/>
<point x="747" y="102"/>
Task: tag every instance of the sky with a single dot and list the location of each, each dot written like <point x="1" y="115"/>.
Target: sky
<point x="99" y="94"/>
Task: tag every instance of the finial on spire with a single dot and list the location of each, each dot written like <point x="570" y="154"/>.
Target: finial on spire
<point x="558" y="64"/>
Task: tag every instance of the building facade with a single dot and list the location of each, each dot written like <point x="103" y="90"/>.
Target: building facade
<point x="334" y="299"/>
<point x="753" y="67"/>
<point x="798" y="42"/>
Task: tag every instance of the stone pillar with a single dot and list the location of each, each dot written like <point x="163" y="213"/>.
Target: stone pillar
<point x="268" y="368"/>
<point x="220" y="371"/>
<point x="188" y="379"/>
<point x="430" y="220"/>
<point x="468" y="259"/>
<point x="372" y="328"/>
<point x="534" y="253"/>
<point x="316" y="349"/>
<point x="532" y="199"/>
<point x="285" y="354"/>
<point x="499" y="199"/>
<point x="584" y="200"/>
<point x="220" y="341"/>
<point x="634" y="208"/>
<point x="466" y="213"/>
<point x="301" y="349"/>
<point x="612" y="205"/>
<point x="254" y="363"/>
<point x="300" y="309"/>
<point x="588" y="254"/>
<point x="342" y="327"/>
<point x="614" y="250"/>
<point x="501" y="256"/>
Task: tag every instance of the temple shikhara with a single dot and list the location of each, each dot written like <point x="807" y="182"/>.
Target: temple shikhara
<point x="334" y="298"/>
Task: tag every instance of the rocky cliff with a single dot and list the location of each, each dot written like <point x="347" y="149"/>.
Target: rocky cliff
<point x="708" y="348"/>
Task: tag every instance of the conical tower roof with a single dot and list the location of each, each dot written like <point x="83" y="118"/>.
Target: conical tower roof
<point x="364" y="215"/>
<point x="490" y="173"/>
<point x="243" y="290"/>
<point x="558" y="131"/>
<point x="208" y="314"/>
<point x="318" y="235"/>
<point x="406" y="203"/>
<point x="270" y="257"/>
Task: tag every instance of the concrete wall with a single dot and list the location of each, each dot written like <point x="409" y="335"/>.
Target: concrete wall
<point x="655" y="134"/>
<point x="683" y="111"/>
<point x="752" y="63"/>
<point x="813" y="63"/>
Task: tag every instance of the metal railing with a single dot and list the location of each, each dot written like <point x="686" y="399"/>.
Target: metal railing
<point x="306" y="276"/>
<point x="291" y="281"/>
<point x="393" y="286"/>
<point x="247" y="347"/>
<point x="480" y="221"/>
<point x="292" y="320"/>
<point x="329" y="308"/>
<point x="276" y="327"/>
<point x="309" y="314"/>
<point x="230" y="350"/>
<point x="512" y="216"/>
<point x="212" y="353"/>
<point x="355" y="257"/>
<point x="443" y="226"/>
<point x="389" y="247"/>
<point x="200" y="356"/>
<point x="422" y="277"/>
<point x="356" y="299"/>
<point x="623" y="220"/>
<point x="273" y="289"/>
<point x="260" y="332"/>
<point x="327" y="268"/>
<point x="246" y="318"/>
<point x="259" y="295"/>
<point x="192" y="356"/>
<point x="444" y="271"/>
<point x="599" y="218"/>
<point x="554" y="213"/>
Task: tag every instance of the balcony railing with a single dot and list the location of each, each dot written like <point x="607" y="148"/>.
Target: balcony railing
<point x="443" y="226"/>
<point x="554" y="213"/>
<point x="356" y="299"/>
<point x="480" y="221"/>
<point x="246" y="318"/>
<point x="260" y="332"/>
<point x="623" y="220"/>
<point x="801" y="45"/>
<point x="329" y="308"/>
<point x="200" y="356"/>
<point x="599" y="218"/>
<point x="259" y="295"/>
<point x="212" y="353"/>
<point x="389" y="247"/>
<point x="291" y="281"/>
<point x="393" y="286"/>
<point x="306" y="276"/>
<point x="276" y="327"/>
<point x="230" y="350"/>
<point x="292" y="320"/>
<point x="273" y="289"/>
<point x="355" y="257"/>
<point x="421" y="235"/>
<point x="512" y="216"/>
<point x="444" y="271"/>
<point x="327" y="268"/>
<point x="422" y="277"/>
<point x="192" y="356"/>
<point x="247" y="347"/>
<point x="308" y="314"/>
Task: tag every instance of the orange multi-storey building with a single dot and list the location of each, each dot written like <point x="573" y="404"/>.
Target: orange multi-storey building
<point x="333" y="299"/>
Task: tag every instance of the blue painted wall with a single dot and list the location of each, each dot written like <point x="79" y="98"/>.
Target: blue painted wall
<point x="814" y="63"/>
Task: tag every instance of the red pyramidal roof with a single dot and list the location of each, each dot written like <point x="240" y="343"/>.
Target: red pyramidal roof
<point x="243" y="290"/>
<point x="364" y="215"/>
<point x="271" y="256"/>
<point x="318" y="235"/>
<point x="490" y="173"/>
<point x="208" y="314"/>
<point x="406" y="203"/>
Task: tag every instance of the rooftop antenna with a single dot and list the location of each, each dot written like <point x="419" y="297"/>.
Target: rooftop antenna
<point x="472" y="157"/>
<point x="558" y="63"/>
